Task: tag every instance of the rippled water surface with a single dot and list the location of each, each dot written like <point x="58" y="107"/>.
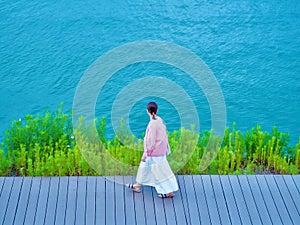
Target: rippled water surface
<point x="252" y="47"/>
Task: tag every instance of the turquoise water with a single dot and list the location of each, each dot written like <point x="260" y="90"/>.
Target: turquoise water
<point x="252" y="48"/>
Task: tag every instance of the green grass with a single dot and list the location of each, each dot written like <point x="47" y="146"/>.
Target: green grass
<point x="47" y="145"/>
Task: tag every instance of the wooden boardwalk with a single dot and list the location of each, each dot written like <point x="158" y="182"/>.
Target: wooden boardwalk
<point x="202" y="199"/>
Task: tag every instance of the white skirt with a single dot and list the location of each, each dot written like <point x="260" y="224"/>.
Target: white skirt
<point x="157" y="173"/>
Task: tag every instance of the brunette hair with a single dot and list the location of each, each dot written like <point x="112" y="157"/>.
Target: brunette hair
<point x="152" y="109"/>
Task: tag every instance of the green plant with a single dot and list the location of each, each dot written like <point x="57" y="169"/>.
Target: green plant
<point x="5" y="164"/>
<point x="47" y="145"/>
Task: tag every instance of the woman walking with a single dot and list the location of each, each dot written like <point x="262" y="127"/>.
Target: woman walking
<point x="154" y="169"/>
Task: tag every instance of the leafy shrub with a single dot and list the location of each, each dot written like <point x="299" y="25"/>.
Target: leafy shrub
<point x="45" y="145"/>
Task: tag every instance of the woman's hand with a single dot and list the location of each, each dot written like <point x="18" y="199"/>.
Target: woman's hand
<point x="144" y="158"/>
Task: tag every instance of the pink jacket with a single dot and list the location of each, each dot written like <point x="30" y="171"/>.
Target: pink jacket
<point x="156" y="139"/>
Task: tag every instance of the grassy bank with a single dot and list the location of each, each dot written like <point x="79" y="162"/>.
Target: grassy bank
<point x="47" y="145"/>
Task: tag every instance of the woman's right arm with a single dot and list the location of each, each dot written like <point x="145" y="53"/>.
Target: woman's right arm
<point x="150" y="139"/>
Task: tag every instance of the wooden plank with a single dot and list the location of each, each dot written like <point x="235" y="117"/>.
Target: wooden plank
<point x="183" y="194"/>
<point x="52" y="201"/>
<point x="120" y="202"/>
<point x="191" y="199"/>
<point x="139" y="208"/>
<point x="180" y="216"/>
<point x="249" y="200"/>
<point x="220" y="199"/>
<point x="211" y="200"/>
<point x="110" y="202"/>
<point x="240" y="201"/>
<point x="169" y="211"/>
<point x="23" y="201"/>
<point x="1" y="187"/>
<point x="129" y="202"/>
<point x="201" y="199"/>
<point x="61" y="200"/>
<point x="90" y="200"/>
<point x="296" y="179"/>
<point x="13" y="201"/>
<point x="42" y="201"/>
<point x="289" y="181"/>
<point x="33" y="200"/>
<point x="276" y="195"/>
<point x="1" y="184"/>
<point x="100" y="200"/>
<point x="71" y="200"/>
<point x="273" y="211"/>
<point x="259" y="200"/>
<point x="288" y="199"/>
<point x="158" y="209"/>
<point x="230" y="200"/>
<point x="81" y="200"/>
<point x="7" y="186"/>
<point x="149" y="205"/>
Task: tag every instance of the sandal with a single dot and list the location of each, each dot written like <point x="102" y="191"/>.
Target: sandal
<point x="135" y="188"/>
<point x="170" y="195"/>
